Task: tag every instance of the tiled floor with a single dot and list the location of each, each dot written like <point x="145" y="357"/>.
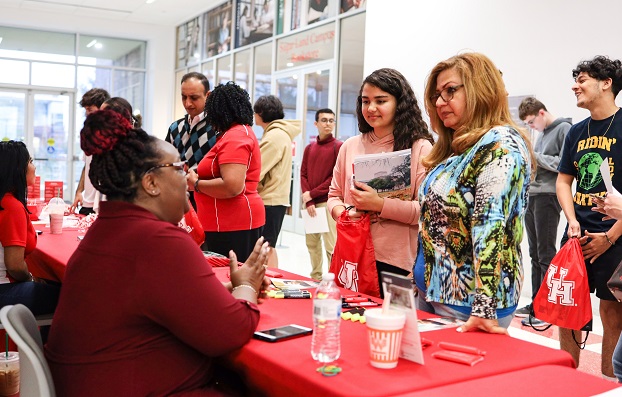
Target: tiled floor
<point x="293" y="257"/>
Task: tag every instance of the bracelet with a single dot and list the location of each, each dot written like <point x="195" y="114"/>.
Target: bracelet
<point x="196" y="186"/>
<point x="31" y="277"/>
<point x="246" y="286"/>
<point x="607" y="237"/>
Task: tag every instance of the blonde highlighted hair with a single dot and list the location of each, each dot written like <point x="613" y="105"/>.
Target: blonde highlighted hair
<point x="486" y="106"/>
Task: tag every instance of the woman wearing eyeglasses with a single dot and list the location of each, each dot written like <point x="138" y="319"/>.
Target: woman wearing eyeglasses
<point x="17" y="235"/>
<point x="473" y="199"/>
<point x="228" y="204"/>
<point x="141" y="312"/>
<point x="389" y="119"/>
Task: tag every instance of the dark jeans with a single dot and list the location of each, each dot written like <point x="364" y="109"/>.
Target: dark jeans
<point x="38" y="297"/>
<point x="541" y="221"/>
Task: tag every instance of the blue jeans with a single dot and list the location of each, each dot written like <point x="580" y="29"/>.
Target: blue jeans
<point x="541" y="221"/>
<point x="445" y="311"/>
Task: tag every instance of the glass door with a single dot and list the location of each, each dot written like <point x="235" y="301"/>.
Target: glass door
<point x="303" y="91"/>
<point x="44" y="121"/>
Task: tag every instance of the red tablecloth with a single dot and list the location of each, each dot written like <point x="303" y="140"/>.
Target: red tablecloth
<point x="49" y="259"/>
<point x="287" y="369"/>
<point x="547" y="380"/>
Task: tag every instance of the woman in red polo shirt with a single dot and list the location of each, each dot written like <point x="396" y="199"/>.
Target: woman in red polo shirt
<point x="228" y="205"/>
<point x="141" y="313"/>
<point x="17" y="235"/>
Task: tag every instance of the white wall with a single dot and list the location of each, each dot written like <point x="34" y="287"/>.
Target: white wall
<point x="536" y="43"/>
<point x="159" y="97"/>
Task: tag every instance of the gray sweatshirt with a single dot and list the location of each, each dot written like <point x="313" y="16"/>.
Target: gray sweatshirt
<point x="548" y="150"/>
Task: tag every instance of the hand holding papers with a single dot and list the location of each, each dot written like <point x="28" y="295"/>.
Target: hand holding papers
<point x="317" y="223"/>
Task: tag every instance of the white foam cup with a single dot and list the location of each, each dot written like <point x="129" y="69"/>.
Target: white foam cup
<point x="385" y="336"/>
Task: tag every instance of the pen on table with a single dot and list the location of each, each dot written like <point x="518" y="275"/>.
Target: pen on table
<point x="292" y="295"/>
<point x="461" y="348"/>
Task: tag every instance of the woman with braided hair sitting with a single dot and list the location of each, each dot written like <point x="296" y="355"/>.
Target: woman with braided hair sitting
<point x="228" y="204"/>
<point x="124" y="325"/>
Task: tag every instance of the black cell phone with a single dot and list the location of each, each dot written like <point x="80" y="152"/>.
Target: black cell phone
<point x="282" y="333"/>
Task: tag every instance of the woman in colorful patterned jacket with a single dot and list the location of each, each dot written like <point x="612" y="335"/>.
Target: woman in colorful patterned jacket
<point x="473" y="198"/>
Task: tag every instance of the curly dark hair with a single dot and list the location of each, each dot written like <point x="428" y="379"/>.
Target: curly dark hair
<point x="94" y="97"/>
<point x="14" y="159"/>
<point x="409" y="125"/>
<point x="123" y="107"/>
<point x="228" y="104"/>
<point x="602" y="68"/>
<point x="121" y="154"/>
<point x="269" y="108"/>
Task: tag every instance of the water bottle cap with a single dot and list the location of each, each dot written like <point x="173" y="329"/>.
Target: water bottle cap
<point x="328" y="276"/>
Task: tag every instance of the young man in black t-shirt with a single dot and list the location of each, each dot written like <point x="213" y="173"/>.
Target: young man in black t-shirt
<point x="587" y="145"/>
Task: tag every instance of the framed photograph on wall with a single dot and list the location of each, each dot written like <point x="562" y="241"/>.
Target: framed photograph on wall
<point x="189" y="43"/>
<point x="352" y="5"/>
<point x="255" y="21"/>
<point x="218" y="30"/>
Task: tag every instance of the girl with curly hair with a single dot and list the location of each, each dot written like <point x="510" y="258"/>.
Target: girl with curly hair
<point x="225" y="184"/>
<point x="389" y="119"/>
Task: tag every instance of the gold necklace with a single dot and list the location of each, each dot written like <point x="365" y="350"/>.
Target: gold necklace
<point x="611" y="122"/>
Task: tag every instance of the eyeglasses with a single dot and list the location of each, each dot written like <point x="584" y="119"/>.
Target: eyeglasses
<point x="530" y="122"/>
<point x="447" y="94"/>
<point x="327" y="121"/>
<point x="180" y="166"/>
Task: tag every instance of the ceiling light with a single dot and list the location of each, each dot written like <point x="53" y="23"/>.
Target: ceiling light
<point x="91" y="44"/>
<point x="98" y="46"/>
<point x="150" y="1"/>
<point x="290" y="64"/>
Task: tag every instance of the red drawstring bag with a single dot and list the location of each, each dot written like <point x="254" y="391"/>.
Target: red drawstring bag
<point x="191" y="223"/>
<point x="564" y="296"/>
<point x="354" y="259"/>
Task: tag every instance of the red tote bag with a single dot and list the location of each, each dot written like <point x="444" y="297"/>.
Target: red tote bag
<point x="191" y="223"/>
<point x="564" y="296"/>
<point x="354" y="259"/>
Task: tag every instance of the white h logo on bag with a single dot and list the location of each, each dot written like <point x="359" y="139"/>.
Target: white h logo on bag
<point x="348" y="276"/>
<point x="559" y="287"/>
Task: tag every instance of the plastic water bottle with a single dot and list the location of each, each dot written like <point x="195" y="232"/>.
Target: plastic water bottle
<point x="325" y="343"/>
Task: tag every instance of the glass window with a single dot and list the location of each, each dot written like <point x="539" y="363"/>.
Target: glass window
<point x="223" y="66"/>
<point x="208" y="71"/>
<point x="320" y="10"/>
<point x="263" y="70"/>
<point x="317" y="98"/>
<point x="131" y="86"/>
<point x="12" y="106"/>
<point x="307" y="47"/>
<point x="53" y="75"/>
<point x="14" y="72"/>
<point x="37" y="45"/>
<point x="106" y="51"/>
<point x="350" y="72"/>
<point x="242" y="68"/>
